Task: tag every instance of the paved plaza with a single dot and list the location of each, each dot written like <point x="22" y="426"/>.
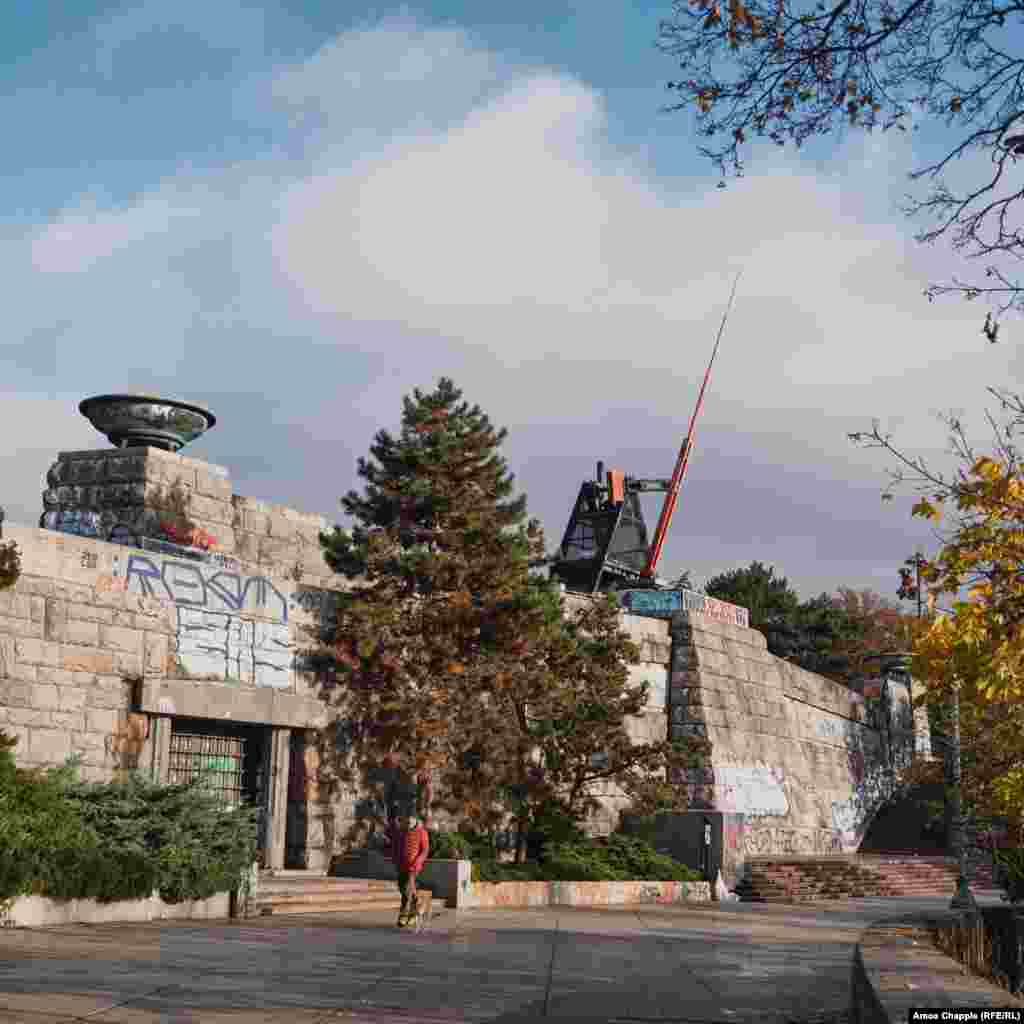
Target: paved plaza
<point x="700" y="962"/>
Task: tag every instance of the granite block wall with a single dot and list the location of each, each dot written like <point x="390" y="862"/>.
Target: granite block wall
<point x="109" y="635"/>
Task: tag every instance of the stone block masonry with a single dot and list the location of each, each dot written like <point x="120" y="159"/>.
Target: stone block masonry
<point x="796" y="760"/>
<point x="112" y="639"/>
<point x="101" y="642"/>
<point x="797" y="763"/>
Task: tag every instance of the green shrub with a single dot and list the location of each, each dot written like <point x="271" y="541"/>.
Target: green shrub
<point x="495" y="871"/>
<point x="177" y="839"/>
<point x="554" y="824"/>
<point x="1011" y="873"/>
<point x="619" y="859"/>
<point x="116" y="841"/>
<point x="579" y="862"/>
<point x="450" y="846"/>
<point x="639" y="860"/>
<point x="37" y="820"/>
<point x="96" y="872"/>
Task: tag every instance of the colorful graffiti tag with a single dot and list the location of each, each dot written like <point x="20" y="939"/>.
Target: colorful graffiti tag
<point x="852" y="816"/>
<point x="212" y="645"/>
<point x="761" y="842"/>
<point x="193" y="585"/>
<point x="667" y="602"/>
<point x="81" y="523"/>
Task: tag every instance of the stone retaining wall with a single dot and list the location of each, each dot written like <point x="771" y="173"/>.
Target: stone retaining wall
<point x="481" y="895"/>
<point x="39" y="912"/>
<point x="896" y="967"/>
<point x="103" y="645"/>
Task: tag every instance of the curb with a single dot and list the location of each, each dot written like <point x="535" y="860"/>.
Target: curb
<point x="896" y="967"/>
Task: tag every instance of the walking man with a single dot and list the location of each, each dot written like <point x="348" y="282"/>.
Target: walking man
<point x="409" y="849"/>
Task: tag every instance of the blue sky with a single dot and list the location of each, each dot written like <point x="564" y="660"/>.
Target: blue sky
<point x="296" y="212"/>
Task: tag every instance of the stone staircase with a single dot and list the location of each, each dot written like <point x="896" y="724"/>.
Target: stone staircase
<point x="313" y="892"/>
<point x="782" y="880"/>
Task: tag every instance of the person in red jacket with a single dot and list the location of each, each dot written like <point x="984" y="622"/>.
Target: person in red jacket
<point x="409" y="847"/>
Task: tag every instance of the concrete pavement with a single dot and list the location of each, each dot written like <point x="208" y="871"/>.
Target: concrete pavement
<point x="697" y="962"/>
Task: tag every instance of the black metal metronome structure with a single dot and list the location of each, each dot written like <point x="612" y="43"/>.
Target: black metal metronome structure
<point x="605" y="544"/>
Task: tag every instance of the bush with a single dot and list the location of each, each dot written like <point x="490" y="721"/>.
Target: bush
<point x="620" y="859"/>
<point x="116" y="841"/>
<point x="450" y="846"/>
<point x="639" y="860"/>
<point x="576" y="862"/>
<point x="1010" y="873"/>
<point x="38" y="820"/>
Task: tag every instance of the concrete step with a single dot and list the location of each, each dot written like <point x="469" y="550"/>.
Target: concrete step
<point x="383" y="903"/>
<point x="286" y="886"/>
<point x="315" y="893"/>
<point x="884" y="873"/>
<point x="391" y="906"/>
<point x="338" y="896"/>
<point x="293" y="873"/>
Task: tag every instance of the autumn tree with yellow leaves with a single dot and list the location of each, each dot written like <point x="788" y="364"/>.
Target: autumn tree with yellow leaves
<point x="973" y="635"/>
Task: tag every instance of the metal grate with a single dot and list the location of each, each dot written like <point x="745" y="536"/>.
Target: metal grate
<point x="223" y="757"/>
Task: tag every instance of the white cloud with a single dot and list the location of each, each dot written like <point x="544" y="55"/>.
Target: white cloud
<point x="37" y="427"/>
<point x="435" y="205"/>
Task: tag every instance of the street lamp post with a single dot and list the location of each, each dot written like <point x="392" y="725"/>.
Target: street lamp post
<point x="963" y="898"/>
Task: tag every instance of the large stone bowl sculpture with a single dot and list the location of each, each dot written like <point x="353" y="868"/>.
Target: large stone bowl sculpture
<point x="136" y="421"/>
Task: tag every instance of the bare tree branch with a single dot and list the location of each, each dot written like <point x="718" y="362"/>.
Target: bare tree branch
<point x="790" y="70"/>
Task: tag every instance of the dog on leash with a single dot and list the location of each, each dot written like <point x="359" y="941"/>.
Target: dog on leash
<point x="418" y="916"/>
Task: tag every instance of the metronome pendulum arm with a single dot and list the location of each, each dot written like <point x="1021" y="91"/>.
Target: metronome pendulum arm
<point x="605" y="542"/>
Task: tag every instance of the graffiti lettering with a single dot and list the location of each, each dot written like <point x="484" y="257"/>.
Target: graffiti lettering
<point x="80" y="523"/>
<point x="666" y="602"/>
<point x="852" y="816"/>
<point x="762" y="842"/>
<point x="650" y="893"/>
<point x="750" y="789"/>
<point x="89" y="559"/>
<point x="829" y="728"/>
<point x="211" y="645"/>
<point x="185" y="584"/>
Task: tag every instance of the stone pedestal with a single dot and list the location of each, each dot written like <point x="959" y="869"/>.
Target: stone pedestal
<point x="125" y="494"/>
<point x="129" y="496"/>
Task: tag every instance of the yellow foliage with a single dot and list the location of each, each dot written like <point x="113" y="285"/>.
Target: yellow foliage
<point x="982" y="640"/>
<point x="1009" y="791"/>
<point x="927" y="509"/>
<point x="987" y="468"/>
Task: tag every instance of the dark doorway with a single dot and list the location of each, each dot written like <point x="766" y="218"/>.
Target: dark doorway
<point x="235" y="755"/>
<point x="296" y="818"/>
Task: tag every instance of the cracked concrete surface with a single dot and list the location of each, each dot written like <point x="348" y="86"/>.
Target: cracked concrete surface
<point x="694" y="963"/>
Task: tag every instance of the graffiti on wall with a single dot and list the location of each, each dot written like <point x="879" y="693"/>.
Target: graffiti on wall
<point x="852" y="816"/>
<point x="830" y="728"/>
<point x="211" y="645"/>
<point x="768" y="841"/>
<point x="80" y="522"/>
<point x="196" y="586"/>
<point x="666" y="602"/>
<point x="753" y="789"/>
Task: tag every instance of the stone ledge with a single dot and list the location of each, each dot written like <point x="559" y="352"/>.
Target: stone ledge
<point x="234" y="702"/>
<point x="895" y="967"/>
<point x="451" y="880"/>
<point x="583" y="894"/>
<point x="39" y="912"/>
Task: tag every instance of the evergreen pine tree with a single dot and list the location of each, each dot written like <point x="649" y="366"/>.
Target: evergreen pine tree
<point x="458" y="665"/>
<point x="436" y="550"/>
